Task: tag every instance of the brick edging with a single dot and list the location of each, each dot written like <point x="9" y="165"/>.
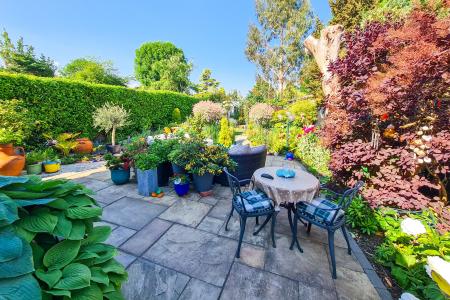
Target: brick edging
<point x="369" y="270"/>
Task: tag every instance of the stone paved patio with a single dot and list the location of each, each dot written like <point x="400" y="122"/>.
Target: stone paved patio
<point x="177" y="248"/>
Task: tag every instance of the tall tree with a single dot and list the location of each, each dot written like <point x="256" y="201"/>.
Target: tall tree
<point x="161" y="65"/>
<point x="275" y="46"/>
<point x="349" y="13"/>
<point x="20" y="58"/>
<point x="92" y="70"/>
<point x="207" y="83"/>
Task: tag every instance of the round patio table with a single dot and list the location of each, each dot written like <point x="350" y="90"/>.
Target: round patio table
<point x="286" y="192"/>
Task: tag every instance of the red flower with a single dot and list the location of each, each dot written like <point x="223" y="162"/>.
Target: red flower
<point x="384" y="117"/>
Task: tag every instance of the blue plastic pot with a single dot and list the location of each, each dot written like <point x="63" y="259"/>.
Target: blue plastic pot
<point x="203" y="183"/>
<point x="181" y="189"/>
<point x="120" y="176"/>
<point x="147" y="181"/>
<point x="178" y="169"/>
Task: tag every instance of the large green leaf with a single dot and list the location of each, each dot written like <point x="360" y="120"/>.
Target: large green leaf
<point x="10" y="244"/>
<point x="84" y="212"/>
<point x="405" y="260"/>
<point x="63" y="227"/>
<point x="74" y="276"/>
<point x="112" y="266"/>
<point x="38" y="255"/>
<point x="61" y="254"/>
<point x="59" y="293"/>
<point x="22" y="202"/>
<point x="7" y="180"/>
<point x="80" y="200"/>
<point x="117" y="279"/>
<point x="59" y="203"/>
<point x="98" y="234"/>
<point x="46" y="185"/>
<point x="25" y="195"/>
<point x="25" y="234"/>
<point x="40" y="220"/>
<point x="50" y="277"/>
<point x="78" y="230"/>
<point x="24" y="287"/>
<point x="21" y="265"/>
<point x="92" y="292"/>
<point x="97" y="275"/>
<point x="66" y="188"/>
<point x="8" y="211"/>
<point x="115" y="295"/>
<point x="106" y="255"/>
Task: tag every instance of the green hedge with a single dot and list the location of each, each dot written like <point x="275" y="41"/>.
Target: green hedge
<point x="56" y="105"/>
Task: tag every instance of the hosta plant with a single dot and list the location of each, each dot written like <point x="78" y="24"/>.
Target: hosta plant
<point x="49" y="246"/>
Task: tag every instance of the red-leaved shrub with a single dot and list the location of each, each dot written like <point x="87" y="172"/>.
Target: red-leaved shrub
<point x="389" y="122"/>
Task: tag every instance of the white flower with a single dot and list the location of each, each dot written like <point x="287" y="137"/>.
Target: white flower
<point x="420" y="132"/>
<point x="425" y="128"/>
<point x="420" y="161"/>
<point x="187" y="136"/>
<point x="408" y="296"/>
<point x="150" y="140"/>
<point x="412" y="227"/>
<point x="439" y="270"/>
<point x="426" y="138"/>
<point x="209" y="142"/>
<point x="427" y="159"/>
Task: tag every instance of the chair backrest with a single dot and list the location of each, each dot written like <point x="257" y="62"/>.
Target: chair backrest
<point x="233" y="182"/>
<point x="348" y="195"/>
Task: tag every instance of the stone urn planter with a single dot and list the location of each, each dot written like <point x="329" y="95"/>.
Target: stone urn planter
<point x="203" y="183"/>
<point x="12" y="160"/>
<point x="8" y="149"/>
<point x="147" y="181"/>
<point x="178" y="169"/>
<point x="120" y="176"/>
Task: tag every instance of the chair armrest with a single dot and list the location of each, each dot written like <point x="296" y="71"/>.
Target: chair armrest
<point x="245" y="181"/>
<point x="333" y="193"/>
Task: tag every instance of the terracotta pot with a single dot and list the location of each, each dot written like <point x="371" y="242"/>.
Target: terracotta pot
<point x="84" y="145"/>
<point x="8" y="149"/>
<point x="12" y="165"/>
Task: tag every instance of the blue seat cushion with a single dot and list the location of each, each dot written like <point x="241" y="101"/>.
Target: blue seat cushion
<point x="319" y="210"/>
<point x="254" y="201"/>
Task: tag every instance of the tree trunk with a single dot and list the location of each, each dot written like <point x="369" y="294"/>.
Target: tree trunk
<point x="326" y="50"/>
<point x="113" y="136"/>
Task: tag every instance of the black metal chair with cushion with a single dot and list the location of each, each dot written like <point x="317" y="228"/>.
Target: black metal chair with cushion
<point x="326" y="212"/>
<point x="249" y="204"/>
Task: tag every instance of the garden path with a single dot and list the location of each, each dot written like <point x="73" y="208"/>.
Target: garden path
<point x="177" y="248"/>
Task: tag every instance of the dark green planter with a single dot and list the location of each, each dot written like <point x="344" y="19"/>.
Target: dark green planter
<point x="35" y="169"/>
<point x="203" y="183"/>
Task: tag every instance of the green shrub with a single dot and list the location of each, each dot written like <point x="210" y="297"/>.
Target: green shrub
<point x="14" y="126"/>
<point x="147" y="161"/>
<point x="162" y="148"/>
<point x="304" y="111"/>
<point x="56" y="105"/>
<point x="35" y="157"/>
<point x="176" y="115"/>
<point x="360" y="216"/>
<point x="47" y="230"/>
<point x="225" y="133"/>
<point x="313" y="155"/>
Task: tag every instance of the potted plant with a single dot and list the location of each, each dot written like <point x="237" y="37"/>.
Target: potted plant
<point x="207" y="162"/>
<point x="119" y="168"/>
<point x="34" y="162"/>
<point x="12" y="159"/>
<point x="64" y="142"/>
<point x="51" y="161"/>
<point x="109" y="118"/>
<point x="180" y="184"/>
<point x="84" y="146"/>
<point x="147" y="176"/>
<point x="162" y="148"/>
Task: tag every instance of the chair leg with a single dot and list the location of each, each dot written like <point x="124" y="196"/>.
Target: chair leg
<point x="308" y="230"/>
<point x="241" y="236"/>
<point x="229" y="217"/>
<point x="294" y="235"/>
<point x="257" y="220"/>
<point x="263" y="224"/>
<point x="344" y="232"/>
<point x="272" y="229"/>
<point x="331" y="247"/>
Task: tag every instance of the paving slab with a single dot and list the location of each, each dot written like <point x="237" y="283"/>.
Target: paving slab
<point x="186" y="212"/>
<point x="249" y="283"/>
<point x="142" y="240"/>
<point x="344" y="260"/>
<point x="222" y="192"/>
<point x="211" y="200"/>
<point x="125" y="259"/>
<point x="101" y="223"/>
<point x="200" y="290"/>
<point x="119" y="235"/>
<point x="131" y="213"/>
<point x="262" y="239"/>
<point x="197" y="253"/>
<point x="354" y="285"/>
<point x="166" y="200"/>
<point x="252" y="256"/>
<point x="313" y="293"/>
<point x="221" y="210"/>
<point x="110" y="194"/>
<point x="310" y="267"/>
<point x="92" y="184"/>
<point x="212" y="225"/>
<point x="102" y="175"/>
<point x="147" y="280"/>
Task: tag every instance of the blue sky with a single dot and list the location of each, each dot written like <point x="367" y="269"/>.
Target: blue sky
<point x="211" y="33"/>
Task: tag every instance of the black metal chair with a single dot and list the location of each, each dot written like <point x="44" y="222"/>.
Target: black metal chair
<point x="327" y="213"/>
<point x="250" y="204"/>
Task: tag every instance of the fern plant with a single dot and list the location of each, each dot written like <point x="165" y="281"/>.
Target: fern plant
<point x="49" y="247"/>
